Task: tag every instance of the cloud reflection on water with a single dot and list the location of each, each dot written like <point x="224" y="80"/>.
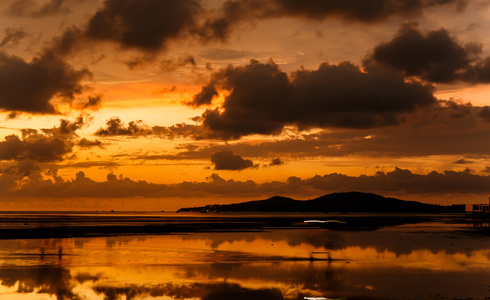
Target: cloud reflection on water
<point x="413" y="262"/>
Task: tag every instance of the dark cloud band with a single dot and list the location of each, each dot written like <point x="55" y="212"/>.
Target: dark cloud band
<point x="263" y="99"/>
<point x="398" y="181"/>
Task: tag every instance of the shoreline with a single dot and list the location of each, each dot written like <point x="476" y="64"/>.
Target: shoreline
<point x="69" y="226"/>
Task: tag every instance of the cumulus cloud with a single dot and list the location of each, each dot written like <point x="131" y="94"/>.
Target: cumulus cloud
<point x="145" y="25"/>
<point x="398" y="181"/>
<point x="22" y="168"/>
<point x="402" y="181"/>
<point x="447" y="128"/>
<point x="115" y="127"/>
<point x="182" y="130"/>
<point x="276" y="162"/>
<point x="262" y="99"/>
<point x="67" y="127"/>
<point x="226" y="160"/>
<point x="435" y="56"/>
<point x="85" y="143"/>
<point x="30" y="86"/>
<point x="49" y="145"/>
<point x="34" y="146"/>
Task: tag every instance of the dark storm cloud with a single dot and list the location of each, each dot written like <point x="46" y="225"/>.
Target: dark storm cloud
<point x="12" y="36"/>
<point x="149" y="25"/>
<point x="226" y="160"/>
<point x="434" y="56"/>
<point x="234" y="12"/>
<point x="446" y="128"/>
<point x="143" y="24"/>
<point x="398" y="181"/>
<point x="115" y="127"/>
<point x="367" y="11"/>
<point x="205" y="96"/>
<point x="262" y="99"/>
<point x="29" y="87"/>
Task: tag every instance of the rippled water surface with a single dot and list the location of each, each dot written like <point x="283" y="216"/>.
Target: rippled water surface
<point x="436" y="259"/>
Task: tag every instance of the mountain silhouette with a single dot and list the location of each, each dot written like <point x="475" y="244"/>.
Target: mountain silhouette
<point x="335" y="202"/>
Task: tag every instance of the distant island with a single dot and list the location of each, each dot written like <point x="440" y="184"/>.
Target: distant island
<point x="335" y="202"/>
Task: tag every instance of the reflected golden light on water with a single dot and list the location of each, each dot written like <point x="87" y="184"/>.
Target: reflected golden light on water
<point x="289" y="263"/>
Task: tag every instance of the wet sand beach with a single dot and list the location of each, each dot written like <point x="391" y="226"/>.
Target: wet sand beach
<point x="83" y="224"/>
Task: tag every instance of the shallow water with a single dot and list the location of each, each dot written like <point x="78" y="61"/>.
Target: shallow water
<point x="440" y="259"/>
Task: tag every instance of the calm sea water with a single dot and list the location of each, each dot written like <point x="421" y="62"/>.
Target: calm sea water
<point x="429" y="258"/>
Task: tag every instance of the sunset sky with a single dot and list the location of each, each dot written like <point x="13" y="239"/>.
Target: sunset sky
<point x="162" y="104"/>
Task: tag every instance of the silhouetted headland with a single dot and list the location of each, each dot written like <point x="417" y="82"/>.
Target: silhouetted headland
<point x="336" y="202"/>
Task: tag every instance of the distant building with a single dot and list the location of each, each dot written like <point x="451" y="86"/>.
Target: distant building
<point x="478" y="209"/>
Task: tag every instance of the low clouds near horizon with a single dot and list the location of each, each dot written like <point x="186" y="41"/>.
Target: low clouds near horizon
<point x="396" y="182"/>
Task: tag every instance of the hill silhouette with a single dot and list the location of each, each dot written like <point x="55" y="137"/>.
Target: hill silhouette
<point x="336" y="202"/>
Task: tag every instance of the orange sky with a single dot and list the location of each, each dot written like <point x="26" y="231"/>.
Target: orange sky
<point x="162" y="104"/>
